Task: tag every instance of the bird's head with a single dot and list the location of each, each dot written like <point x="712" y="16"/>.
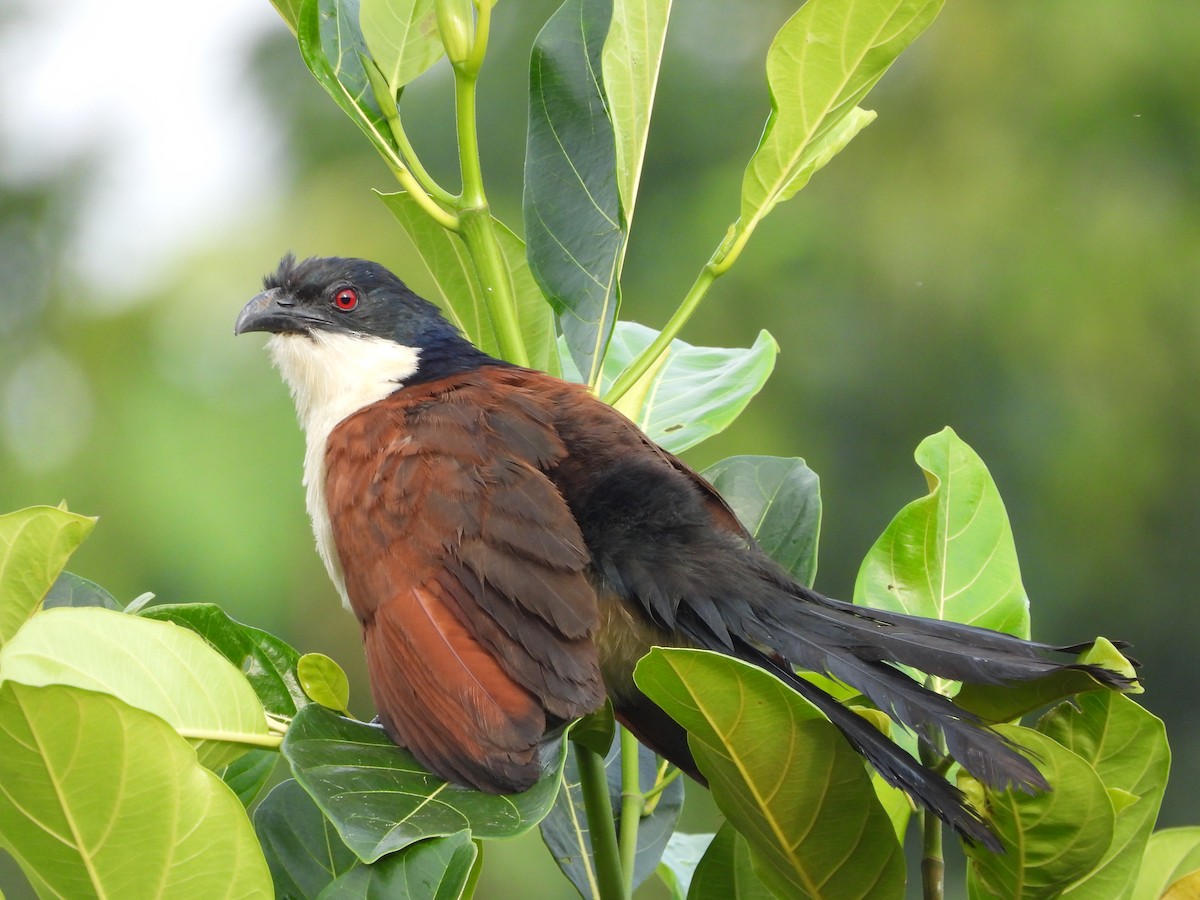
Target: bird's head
<point x="347" y="332"/>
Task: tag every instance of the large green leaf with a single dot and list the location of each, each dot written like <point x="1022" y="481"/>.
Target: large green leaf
<point x="249" y="773"/>
<point x="779" y="502"/>
<point x="402" y="36"/>
<point x="1127" y="746"/>
<point x="950" y="554"/>
<point x="781" y="773"/>
<point x="155" y="666"/>
<point x="459" y="293"/>
<point x="574" y="227"/>
<point x="35" y="544"/>
<point x="691" y="393"/>
<point x="726" y="871"/>
<point x="433" y="869"/>
<point x="630" y="61"/>
<point x="566" y="832"/>
<point x="301" y="846"/>
<point x="1050" y="838"/>
<point x="1170" y="855"/>
<point x="821" y="64"/>
<point x="332" y="46"/>
<point x="101" y="799"/>
<point x="381" y="799"/>
<point x="268" y="663"/>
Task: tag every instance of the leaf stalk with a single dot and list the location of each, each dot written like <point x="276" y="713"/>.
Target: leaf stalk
<point x="593" y="782"/>
<point x="633" y="805"/>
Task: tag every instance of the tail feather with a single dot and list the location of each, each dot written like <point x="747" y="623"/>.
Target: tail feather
<point x="895" y="765"/>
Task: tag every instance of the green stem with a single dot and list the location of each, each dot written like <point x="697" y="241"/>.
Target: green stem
<point x="718" y="264"/>
<point x="633" y="803"/>
<point x="420" y="173"/>
<point x="593" y="782"/>
<point x="933" y="864"/>
<point x="270" y="741"/>
<point x="474" y="216"/>
<point x="446" y="219"/>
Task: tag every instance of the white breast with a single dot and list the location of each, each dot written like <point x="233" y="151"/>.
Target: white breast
<point x="332" y="376"/>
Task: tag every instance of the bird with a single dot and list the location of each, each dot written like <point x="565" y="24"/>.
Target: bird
<point x="512" y="546"/>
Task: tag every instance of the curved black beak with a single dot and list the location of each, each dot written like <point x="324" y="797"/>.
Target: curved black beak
<point x="276" y="311"/>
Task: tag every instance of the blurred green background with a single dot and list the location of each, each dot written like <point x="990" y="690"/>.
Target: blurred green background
<point x="1012" y="249"/>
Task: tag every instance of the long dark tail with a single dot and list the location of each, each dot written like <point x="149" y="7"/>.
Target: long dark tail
<point x="860" y="647"/>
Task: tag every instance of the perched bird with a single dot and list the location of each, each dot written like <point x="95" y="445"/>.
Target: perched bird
<point x="512" y="546"/>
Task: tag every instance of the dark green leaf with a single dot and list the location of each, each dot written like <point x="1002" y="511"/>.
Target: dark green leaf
<point x="302" y="848"/>
<point x="566" y="833"/>
<point x="266" y="661"/>
<point x="726" y="871"/>
<point x="950" y="554"/>
<point x="380" y="798"/>
<point x="781" y="773"/>
<point x="71" y="590"/>
<point x="1170" y="855"/>
<point x="690" y="393"/>
<point x="433" y="869"/>
<point x="1050" y="838"/>
<point x="459" y="293"/>
<point x="596" y="730"/>
<point x="249" y="773"/>
<point x="289" y="11"/>
<point x="324" y="681"/>
<point x="332" y="46"/>
<point x="35" y="544"/>
<point x="102" y="799"/>
<point x="779" y="502"/>
<point x="573" y="221"/>
<point x="1127" y="746"/>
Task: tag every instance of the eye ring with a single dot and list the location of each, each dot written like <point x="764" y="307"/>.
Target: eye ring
<point x="345" y="298"/>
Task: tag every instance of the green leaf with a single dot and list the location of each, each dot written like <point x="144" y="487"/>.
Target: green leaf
<point x="821" y="64"/>
<point x="249" y="773"/>
<point x="35" y="544"/>
<point x="101" y="799"/>
<point x="596" y="730"/>
<point x="302" y="848"/>
<point x="573" y="223"/>
<point x="324" y="681"/>
<point x="779" y="502"/>
<point x="289" y="11"/>
<point x="950" y="554"/>
<point x="679" y="860"/>
<point x="1127" y="746"/>
<point x="155" y="666"/>
<point x="459" y="293"/>
<point x="333" y="47"/>
<point x="71" y="590"/>
<point x="726" y="871"/>
<point x="380" y="798"/>
<point x="1170" y="855"/>
<point x="402" y="37"/>
<point x="268" y="663"/>
<point x="782" y="775"/>
<point x="692" y="393"/>
<point x="630" y="62"/>
<point x="437" y="869"/>
<point x="566" y="832"/>
<point x="1050" y="838"/>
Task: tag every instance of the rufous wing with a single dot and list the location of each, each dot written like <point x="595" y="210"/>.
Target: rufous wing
<point x="468" y="573"/>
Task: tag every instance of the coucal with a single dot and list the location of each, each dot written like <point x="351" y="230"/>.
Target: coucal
<point x="512" y="546"/>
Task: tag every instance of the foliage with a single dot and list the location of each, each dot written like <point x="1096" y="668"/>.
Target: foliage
<point x="181" y="727"/>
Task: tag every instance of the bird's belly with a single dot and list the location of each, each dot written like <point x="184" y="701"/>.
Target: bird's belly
<point x="625" y="636"/>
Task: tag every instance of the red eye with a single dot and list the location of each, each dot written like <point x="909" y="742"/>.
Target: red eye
<point x="346" y="299"/>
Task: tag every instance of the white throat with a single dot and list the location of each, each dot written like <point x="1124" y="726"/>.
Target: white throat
<point x="332" y="376"/>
